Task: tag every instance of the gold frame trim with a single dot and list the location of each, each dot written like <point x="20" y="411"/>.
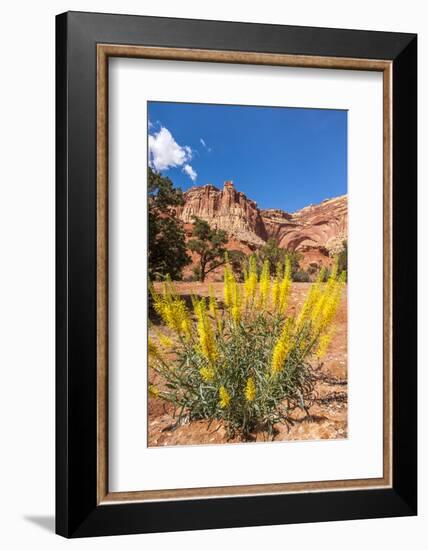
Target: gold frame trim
<point x="104" y="51"/>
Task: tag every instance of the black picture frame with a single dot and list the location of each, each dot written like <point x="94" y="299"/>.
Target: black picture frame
<point x="77" y="511"/>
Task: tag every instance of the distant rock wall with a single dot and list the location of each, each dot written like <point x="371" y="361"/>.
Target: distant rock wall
<point x="320" y="226"/>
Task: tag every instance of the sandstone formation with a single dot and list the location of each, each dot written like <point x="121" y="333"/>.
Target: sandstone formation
<point x="316" y="230"/>
<point x="315" y="226"/>
<point x="227" y="209"/>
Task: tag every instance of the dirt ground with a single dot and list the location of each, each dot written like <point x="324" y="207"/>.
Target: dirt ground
<point x="327" y="418"/>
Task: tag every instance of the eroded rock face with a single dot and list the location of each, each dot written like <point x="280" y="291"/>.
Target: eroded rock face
<point x="320" y="227"/>
<point x="227" y="209"/>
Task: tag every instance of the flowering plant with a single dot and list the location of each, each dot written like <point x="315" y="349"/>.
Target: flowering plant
<point x="243" y="360"/>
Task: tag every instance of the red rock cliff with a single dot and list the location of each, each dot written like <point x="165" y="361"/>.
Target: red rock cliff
<point x="227" y="209"/>
<point x="320" y="226"/>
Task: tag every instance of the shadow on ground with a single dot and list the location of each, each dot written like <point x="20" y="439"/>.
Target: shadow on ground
<point x="45" y="522"/>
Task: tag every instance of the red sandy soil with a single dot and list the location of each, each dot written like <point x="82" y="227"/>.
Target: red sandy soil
<point x="327" y="418"/>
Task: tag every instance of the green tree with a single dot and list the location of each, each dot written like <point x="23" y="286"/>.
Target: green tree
<point x="167" y="244"/>
<point x="209" y="244"/>
<point x="271" y="251"/>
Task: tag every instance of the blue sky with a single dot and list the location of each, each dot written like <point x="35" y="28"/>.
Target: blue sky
<point x="280" y="157"/>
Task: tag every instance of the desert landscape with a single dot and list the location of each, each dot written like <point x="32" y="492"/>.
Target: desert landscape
<point x="327" y="418"/>
<point x="247" y="301"/>
<point x="316" y="233"/>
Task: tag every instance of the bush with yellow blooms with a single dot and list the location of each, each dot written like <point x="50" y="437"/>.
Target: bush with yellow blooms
<point x="243" y="359"/>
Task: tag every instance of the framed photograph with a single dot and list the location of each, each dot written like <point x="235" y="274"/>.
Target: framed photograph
<point x="236" y="274"/>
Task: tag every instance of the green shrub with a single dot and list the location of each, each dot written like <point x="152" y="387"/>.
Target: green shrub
<point x="301" y="277"/>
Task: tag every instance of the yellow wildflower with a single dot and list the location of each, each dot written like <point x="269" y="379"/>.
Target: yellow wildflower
<point x="207" y="374"/>
<point x="236" y="313"/>
<point x="275" y="293"/>
<point x="264" y="284"/>
<point x="220" y="325"/>
<point x="236" y="303"/>
<point x="317" y="307"/>
<point x="276" y="286"/>
<point x="154" y="350"/>
<point x="186" y="327"/>
<point x="282" y="348"/>
<point x="331" y="307"/>
<point x="285" y="286"/>
<point x="212" y="302"/>
<point x="232" y="296"/>
<point x="229" y="281"/>
<point x="250" y="281"/>
<point x="250" y="389"/>
<point x="224" y="397"/>
<point x="326" y="307"/>
<point x="323" y="344"/>
<point x="172" y="309"/>
<point x="313" y="297"/>
<point x="206" y="337"/>
<point x="165" y="341"/>
<point x="153" y="390"/>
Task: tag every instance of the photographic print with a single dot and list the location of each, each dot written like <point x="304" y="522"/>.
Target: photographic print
<point x="247" y="272"/>
<point x="205" y="248"/>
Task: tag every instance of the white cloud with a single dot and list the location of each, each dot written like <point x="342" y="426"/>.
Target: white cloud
<point x="190" y="172"/>
<point x="165" y="152"/>
<point x="204" y="144"/>
<point x="189" y="152"/>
